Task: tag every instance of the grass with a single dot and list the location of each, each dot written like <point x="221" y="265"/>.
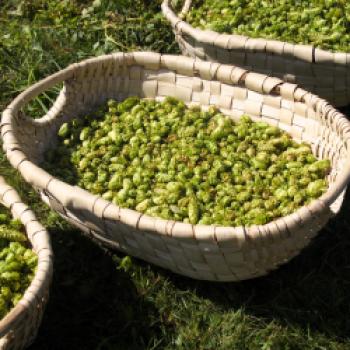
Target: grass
<point x="105" y="300"/>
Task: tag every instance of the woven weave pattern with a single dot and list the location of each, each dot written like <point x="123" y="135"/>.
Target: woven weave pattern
<point x="324" y="73"/>
<point x="199" y="251"/>
<point x="19" y="327"/>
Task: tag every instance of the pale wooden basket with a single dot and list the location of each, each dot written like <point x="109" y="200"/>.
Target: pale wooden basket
<point x="199" y="251"/>
<point x="19" y="327"/>
<point x="324" y="73"/>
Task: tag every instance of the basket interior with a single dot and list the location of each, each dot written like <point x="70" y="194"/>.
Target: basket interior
<point x="233" y="90"/>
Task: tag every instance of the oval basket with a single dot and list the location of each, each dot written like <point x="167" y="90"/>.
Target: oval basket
<point x="324" y="73"/>
<point x="201" y="252"/>
<point x="19" y="327"/>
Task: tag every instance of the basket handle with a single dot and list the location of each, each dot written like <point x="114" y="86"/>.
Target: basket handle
<point x="30" y="93"/>
<point x="72" y="72"/>
<point x="334" y="199"/>
<point x="185" y="7"/>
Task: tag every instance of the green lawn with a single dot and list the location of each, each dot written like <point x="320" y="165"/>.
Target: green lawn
<point x="104" y="300"/>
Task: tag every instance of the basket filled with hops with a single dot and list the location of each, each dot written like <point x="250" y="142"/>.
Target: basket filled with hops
<point x="302" y="42"/>
<point x="25" y="271"/>
<point x="208" y="170"/>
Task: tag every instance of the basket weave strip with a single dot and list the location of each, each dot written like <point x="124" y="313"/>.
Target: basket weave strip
<point x="198" y="251"/>
<point x="19" y="327"/>
<point x="325" y="73"/>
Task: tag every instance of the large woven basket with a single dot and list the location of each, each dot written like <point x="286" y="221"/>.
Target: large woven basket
<point x="19" y="327"/>
<point x="201" y="252"/>
<point x="322" y="72"/>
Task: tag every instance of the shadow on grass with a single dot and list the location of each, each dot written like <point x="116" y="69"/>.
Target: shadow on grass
<point x="95" y="306"/>
<point x="92" y="304"/>
<point x="311" y="291"/>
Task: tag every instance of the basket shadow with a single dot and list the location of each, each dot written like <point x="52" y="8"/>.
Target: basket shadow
<point x="311" y="291"/>
<point x="92" y="304"/>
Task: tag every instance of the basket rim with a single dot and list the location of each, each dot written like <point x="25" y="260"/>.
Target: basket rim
<point x="40" y="244"/>
<point x="136" y="58"/>
<point x="303" y="52"/>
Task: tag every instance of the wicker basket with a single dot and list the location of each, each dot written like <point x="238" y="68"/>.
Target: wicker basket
<point x="201" y="252"/>
<point x="20" y="326"/>
<point x="324" y="73"/>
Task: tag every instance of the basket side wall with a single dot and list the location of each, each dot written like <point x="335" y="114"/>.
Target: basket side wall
<point x="20" y="326"/>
